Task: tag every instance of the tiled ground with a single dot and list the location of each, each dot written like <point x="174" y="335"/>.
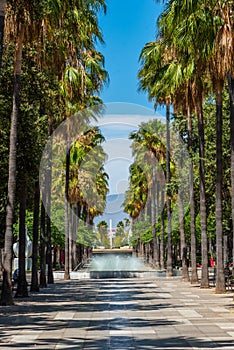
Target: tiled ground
<point x="120" y="314"/>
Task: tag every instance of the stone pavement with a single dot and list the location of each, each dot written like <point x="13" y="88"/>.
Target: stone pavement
<point x="120" y="314"/>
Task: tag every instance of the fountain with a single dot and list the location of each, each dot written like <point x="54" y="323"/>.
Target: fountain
<point x="116" y="263"/>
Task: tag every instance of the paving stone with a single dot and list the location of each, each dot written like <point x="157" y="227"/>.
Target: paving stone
<point x="120" y="314"/>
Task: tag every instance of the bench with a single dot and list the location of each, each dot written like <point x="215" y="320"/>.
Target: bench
<point x="229" y="278"/>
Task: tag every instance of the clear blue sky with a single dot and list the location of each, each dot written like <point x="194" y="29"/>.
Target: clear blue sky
<point x="127" y="27"/>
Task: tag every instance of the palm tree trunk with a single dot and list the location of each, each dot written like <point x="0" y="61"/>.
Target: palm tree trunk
<point x="6" y="296"/>
<point x="194" y="276"/>
<point x="157" y="215"/>
<point x="220" y="279"/>
<point x="67" y="241"/>
<point x="22" y="290"/>
<point x="2" y="22"/>
<point x="74" y="230"/>
<point x="183" y="246"/>
<point x="34" y="279"/>
<point x="153" y="231"/>
<point x="153" y="220"/>
<point x="70" y="237"/>
<point x="43" y="283"/>
<point x="50" y="277"/>
<point x="168" y="180"/>
<point x="162" y="265"/>
<point x="204" y="242"/>
<point x="231" y="98"/>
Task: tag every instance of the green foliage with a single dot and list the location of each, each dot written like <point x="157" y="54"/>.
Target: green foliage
<point x="121" y="238"/>
<point x="86" y="234"/>
<point x="102" y="234"/>
<point x="142" y="231"/>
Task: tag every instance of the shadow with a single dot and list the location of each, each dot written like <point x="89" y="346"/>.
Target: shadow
<point x="91" y="315"/>
<point x="122" y="342"/>
<point x="181" y="343"/>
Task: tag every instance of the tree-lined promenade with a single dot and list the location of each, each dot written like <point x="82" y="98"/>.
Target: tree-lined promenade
<point x="190" y="67"/>
<point x="51" y="70"/>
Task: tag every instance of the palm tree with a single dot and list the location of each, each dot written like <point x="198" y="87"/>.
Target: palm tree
<point x="83" y="73"/>
<point x="168" y="181"/>
<point x="6" y="296"/>
<point x="150" y="154"/>
<point x="136" y="195"/>
<point x="88" y="185"/>
<point x="212" y="37"/>
<point x="154" y="57"/>
<point x="19" y="24"/>
<point x="221" y="63"/>
<point x="148" y="140"/>
<point x="220" y="67"/>
<point x="43" y="281"/>
<point x="34" y="278"/>
<point x="162" y="264"/>
<point x="102" y="229"/>
<point x="66" y="194"/>
<point x="183" y="245"/>
<point x="230" y="75"/>
<point x="191" y="26"/>
<point x="185" y="29"/>
<point x="231" y="95"/>
<point x="22" y="290"/>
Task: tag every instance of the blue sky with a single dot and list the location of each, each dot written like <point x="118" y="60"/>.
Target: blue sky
<point x="127" y="27"/>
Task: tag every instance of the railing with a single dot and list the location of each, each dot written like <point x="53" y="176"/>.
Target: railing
<point x="79" y="266"/>
<point x="229" y="277"/>
<point x="83" y="265"/>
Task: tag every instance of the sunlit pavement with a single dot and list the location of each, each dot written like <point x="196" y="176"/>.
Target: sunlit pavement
<point x="120" y="314"/>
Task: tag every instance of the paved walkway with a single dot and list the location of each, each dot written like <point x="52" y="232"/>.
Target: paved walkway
<point x="120" y="314"/>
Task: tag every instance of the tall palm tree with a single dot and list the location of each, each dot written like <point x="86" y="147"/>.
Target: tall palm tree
<point x="168" y="181"/>
<point x="83" y="73"/>
<point x="221" y="63"/>
<point x="162" y="264"/>
<point x="190" y="107"/>
<point x="22" y="290"/>
<point x="148" y="141"/>
<point x="191" y="26"/>
<point x="136" y="195"/>
<point x="154" y="58"/>
<point x="43" y="280"/>
<point x="231" y="95"/>
<point x="183" y="244"/>
<point x="19" y="23"/>
<point x="150" y="154"/>
<point x="182" y="24"/>
<point x="88" y="185"/>
<point x="6" y="296"/>
<point x="34" y="278"/>
<point x="230" y="75"/>
<point x="211" y="36"/>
